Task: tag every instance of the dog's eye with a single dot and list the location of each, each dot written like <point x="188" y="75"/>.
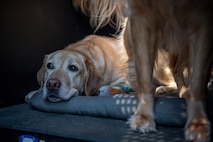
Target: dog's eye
<point x="73" y="68"/>
<point x="50" y="66"/>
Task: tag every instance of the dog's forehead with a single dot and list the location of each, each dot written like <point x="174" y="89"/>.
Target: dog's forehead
<point x="63" y="55"/>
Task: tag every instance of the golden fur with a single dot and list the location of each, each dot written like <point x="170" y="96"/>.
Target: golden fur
<point x="101" y="12"/>
<point x="182" y="28"/>
<point x="81" y="68"/>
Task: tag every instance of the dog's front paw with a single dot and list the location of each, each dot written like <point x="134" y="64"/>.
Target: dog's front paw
<point x="166" y="89"/>
<point x="197" y="131"/>
<point x="141" y="123"/>
<point x="30" y="95"/>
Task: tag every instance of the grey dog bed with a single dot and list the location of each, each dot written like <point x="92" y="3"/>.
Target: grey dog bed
<point x="95" y="118"/>
<point x="92" y="118"/>
<point x="55" y="127"/>
<point x="169" y="111"/>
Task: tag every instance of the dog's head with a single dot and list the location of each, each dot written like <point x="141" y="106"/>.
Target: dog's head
<point x="67" y="73"/>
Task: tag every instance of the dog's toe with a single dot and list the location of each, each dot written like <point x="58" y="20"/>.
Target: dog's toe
<point x="141" y="124"/>
<point x="166" y="89"/>
<point x="197" y="132"/>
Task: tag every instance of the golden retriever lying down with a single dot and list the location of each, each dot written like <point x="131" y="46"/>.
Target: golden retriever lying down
<point x="81" y="68"/>
<point x="183" y="28"/>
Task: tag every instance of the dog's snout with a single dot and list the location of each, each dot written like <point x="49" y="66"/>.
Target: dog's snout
<point x="53" y="84"/>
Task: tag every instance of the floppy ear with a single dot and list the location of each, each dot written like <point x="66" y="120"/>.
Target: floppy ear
<point x="94" y="80"/>
<point x="41" y="72"/>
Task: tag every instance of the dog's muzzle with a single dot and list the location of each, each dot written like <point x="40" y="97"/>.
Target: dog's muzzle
<point x="54" y="94"/>
<point x="53" y="85"/>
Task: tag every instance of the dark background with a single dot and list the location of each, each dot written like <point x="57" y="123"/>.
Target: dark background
<point x="29" y="29"/>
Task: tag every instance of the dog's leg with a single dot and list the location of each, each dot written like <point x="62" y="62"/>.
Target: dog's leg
<point x="197" y="127"/>
<point x="30" y="95"/>
<point x="129" y="50"/>
<point x="143" y="57"/>
<point x="177" y="66"/>
<point x="163" y="74"/>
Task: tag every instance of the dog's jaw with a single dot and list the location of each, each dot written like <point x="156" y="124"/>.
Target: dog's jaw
<point x="58" y="96"/>
<point x="62" y="94"/>
<point x="53" y="98"/>
<point x="72" y="92"/>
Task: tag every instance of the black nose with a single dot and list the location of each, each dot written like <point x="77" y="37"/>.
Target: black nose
<point x="53" y="84"/>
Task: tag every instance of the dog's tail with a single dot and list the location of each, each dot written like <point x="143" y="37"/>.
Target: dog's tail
<point x="103" y="12"/>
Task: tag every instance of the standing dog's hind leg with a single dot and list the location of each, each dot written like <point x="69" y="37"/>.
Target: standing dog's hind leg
<point x="197" y="127"/>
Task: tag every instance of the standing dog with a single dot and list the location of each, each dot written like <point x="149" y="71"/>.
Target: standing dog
<point x="183" y="28"/>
